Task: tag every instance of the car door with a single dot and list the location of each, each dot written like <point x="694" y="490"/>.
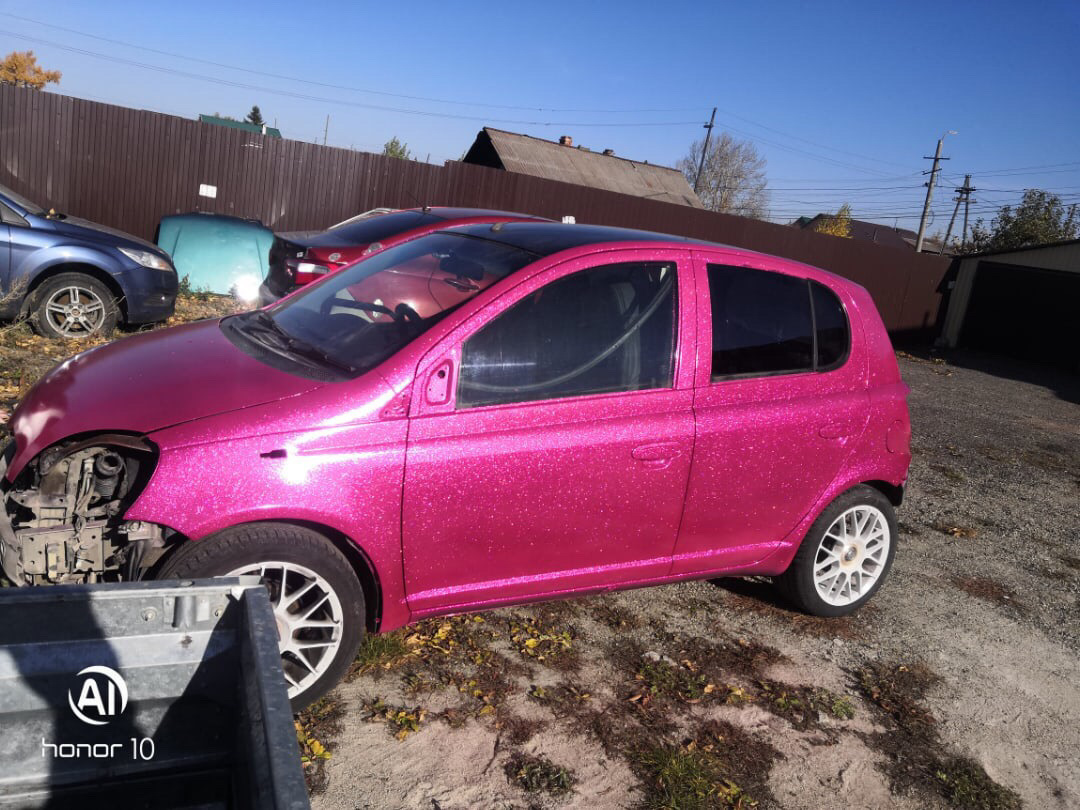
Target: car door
<point x="550" y="436"/>
<point x="780" y="400"/>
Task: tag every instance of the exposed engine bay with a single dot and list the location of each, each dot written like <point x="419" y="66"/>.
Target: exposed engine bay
<point x="62" y="518"/>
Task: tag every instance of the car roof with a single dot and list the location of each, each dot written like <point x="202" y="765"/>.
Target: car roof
<point x="447" y="212"/>
<point x="546" y="238"/>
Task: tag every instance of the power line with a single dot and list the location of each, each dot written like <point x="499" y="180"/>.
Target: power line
<point x="329" y="85"/>
<point x="323" y="100"/>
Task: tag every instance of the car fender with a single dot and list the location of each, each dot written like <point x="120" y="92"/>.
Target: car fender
<point x="200" y="489"/>
<point x="44" y="259"/>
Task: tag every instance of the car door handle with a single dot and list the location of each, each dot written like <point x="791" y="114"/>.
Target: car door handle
<point x="835" y="430"/>
<point x="656" y="455"/>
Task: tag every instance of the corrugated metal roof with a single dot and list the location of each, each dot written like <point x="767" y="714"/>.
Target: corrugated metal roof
<point x="524" y="154"/>
<point x="255" y="129"/>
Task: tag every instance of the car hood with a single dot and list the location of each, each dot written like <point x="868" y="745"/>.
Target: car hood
<point x="144" y="383"/>
<point x="85" y="229"/>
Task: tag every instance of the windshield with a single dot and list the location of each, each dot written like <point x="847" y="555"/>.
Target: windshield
<point x="21" y="201"/>
<point x="367" y="311"/>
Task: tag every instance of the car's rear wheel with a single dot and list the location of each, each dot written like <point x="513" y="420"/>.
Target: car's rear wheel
<point x="846" y="555"/>
<point x="73" y="305"/>
<point x="318" y="602"/>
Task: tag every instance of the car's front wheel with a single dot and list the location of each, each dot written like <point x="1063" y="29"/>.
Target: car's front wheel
<point x="73" y="305"/>
<point x="318" y="602"/>
<point x="846" y="555"/>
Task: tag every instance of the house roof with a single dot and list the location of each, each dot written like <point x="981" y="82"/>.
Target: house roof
<point x="537" y="157"/>
<point x="255" y="129"/>
<point x="871" y="232"/>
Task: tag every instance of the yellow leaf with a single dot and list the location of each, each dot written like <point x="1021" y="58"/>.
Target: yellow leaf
<point x="531" y="642"/>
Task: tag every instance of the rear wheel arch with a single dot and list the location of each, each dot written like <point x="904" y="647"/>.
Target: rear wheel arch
<point x="894" y="493"/>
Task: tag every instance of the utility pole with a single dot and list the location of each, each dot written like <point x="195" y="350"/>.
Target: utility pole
<point x="326" y="130"/>
<point x="937" y="158"/>
<point x="962" y="194"/>
<point x="705" y="149"/>
<point x="967" y="204"/>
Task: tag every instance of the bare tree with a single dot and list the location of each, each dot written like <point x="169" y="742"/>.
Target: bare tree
<point x="733" y="178"/>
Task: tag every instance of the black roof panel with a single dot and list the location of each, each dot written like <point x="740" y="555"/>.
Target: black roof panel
<point x="546" y="238"/>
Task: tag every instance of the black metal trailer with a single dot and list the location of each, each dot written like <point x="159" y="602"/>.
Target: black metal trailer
<point x="145" y="695"/>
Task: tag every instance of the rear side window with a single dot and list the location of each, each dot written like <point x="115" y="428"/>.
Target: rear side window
<point x="831" y="327"/>
<point x="610" y="328"/>
<point x="761" y="322"/>
<point x="769" y="323"/>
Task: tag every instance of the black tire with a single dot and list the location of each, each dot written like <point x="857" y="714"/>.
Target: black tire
<point x="90" y="293"/>
<point x="257" y="543"/>
<point x="797" y="582"/>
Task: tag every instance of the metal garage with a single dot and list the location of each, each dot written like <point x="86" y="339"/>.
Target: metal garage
<point x="1024" y="303"/>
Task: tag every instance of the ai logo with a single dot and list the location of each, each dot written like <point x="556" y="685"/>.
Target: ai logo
<point x="102" y="697"/>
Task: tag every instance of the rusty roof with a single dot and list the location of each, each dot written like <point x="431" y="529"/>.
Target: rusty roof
<point x="537" y="157"/>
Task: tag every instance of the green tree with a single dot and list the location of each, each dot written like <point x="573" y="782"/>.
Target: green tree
<point x="732" y="179"/>
<point x="255" y="116"/>
<point x="1040" y="218"/>
<point x="21" y="69"/>
<point x="397" y="149"/>
<point x="838" y="224"/>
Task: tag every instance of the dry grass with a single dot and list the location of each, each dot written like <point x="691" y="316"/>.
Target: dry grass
<point x="25" y="357"/>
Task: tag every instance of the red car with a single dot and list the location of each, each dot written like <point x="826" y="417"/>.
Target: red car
<point x="302" y="257"/>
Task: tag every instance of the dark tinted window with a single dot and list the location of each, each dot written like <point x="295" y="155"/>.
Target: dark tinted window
<point x="761" y="322"/>
<point x="373" y="229"/>
<point x="610" y="328"/>
<point x="832" y="327"/>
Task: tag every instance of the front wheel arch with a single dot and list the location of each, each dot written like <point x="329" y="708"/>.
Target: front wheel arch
<point x="357" y="558"/>
<point x="91" y="270"/>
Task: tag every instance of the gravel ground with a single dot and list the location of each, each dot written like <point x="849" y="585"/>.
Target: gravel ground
<point x="955" y="687"/>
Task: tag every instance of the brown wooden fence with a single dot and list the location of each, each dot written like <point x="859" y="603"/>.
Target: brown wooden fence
<point x="127" y="168"/>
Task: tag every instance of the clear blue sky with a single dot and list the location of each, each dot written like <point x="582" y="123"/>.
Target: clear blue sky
<point x="843" y="99"/>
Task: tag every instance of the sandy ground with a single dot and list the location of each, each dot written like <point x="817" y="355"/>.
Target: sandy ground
<point x="982" y="603"/>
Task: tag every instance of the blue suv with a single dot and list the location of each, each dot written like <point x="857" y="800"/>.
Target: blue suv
<point x="72" y="278"/>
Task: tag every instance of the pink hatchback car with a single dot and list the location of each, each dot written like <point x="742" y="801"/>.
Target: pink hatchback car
<point x="593" y="408"/>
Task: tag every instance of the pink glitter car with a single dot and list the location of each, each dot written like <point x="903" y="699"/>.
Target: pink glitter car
<point x="587" y="409"/>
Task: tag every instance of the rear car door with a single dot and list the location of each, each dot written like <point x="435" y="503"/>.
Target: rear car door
<point x="780" y="400"/>
<point x="550" y="436"/>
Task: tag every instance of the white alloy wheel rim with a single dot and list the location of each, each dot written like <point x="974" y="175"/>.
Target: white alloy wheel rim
<point x="851" y="555"/>
<point x="75" y="311"/>
<point x="309" y="619"/>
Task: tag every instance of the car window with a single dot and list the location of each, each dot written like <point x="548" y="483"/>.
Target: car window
<point x="609" y="328"/>
<point x="830" y="326"/>
<point x="761" y="322"/>
<point x="27" y="205"/>
<point x="9" y="217"/>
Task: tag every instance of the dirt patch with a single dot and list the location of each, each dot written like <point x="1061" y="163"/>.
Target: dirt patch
<point x="918" y="762"/>
<point x="757" y="595"/>
<point x="988" y="590"/>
